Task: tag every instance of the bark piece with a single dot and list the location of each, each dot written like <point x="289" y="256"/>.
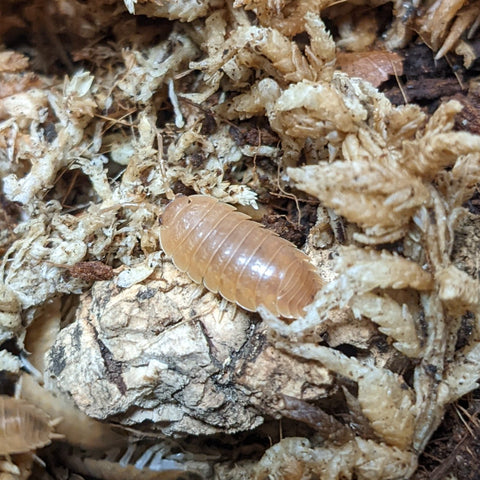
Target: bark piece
<point x="166" y="353"/>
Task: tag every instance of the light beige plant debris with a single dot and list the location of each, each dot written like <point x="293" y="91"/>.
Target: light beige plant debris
<point x="296" y="459"/>
<point x="177" y="97"/>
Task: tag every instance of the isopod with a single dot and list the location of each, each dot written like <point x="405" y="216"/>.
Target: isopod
<point x="23" y="426"/>
<point x="232" y="255"/>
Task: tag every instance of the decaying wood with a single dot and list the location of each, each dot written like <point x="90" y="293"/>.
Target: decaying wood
<point x="195" y="356"/>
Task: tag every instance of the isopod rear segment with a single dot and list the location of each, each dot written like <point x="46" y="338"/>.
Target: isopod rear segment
<point x="23" y="426"/>
<point x="230" y="254"/>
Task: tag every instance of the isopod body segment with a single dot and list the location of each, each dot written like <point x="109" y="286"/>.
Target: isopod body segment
<point x="231" y="254"/>
<point x="23" y="426"/>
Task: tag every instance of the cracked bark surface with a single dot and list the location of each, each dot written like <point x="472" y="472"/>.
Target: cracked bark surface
<point x="164" y="352"/>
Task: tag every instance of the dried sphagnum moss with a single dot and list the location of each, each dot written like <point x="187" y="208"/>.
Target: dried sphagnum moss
<point x="91" y="158"/>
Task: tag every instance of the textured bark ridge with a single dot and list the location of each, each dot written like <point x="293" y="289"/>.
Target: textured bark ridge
<point x="165" y="353"/>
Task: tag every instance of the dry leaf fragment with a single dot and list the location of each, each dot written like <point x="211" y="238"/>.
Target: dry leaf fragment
<point x="374" y="66"/>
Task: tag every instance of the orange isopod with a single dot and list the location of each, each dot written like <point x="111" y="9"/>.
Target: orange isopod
<point x="231" y="254"/>
<point x="23" y="426"/>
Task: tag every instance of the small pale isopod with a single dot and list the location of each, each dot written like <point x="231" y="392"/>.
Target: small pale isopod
<point x="232" y="255"/>
<point x="23" y="426"/>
